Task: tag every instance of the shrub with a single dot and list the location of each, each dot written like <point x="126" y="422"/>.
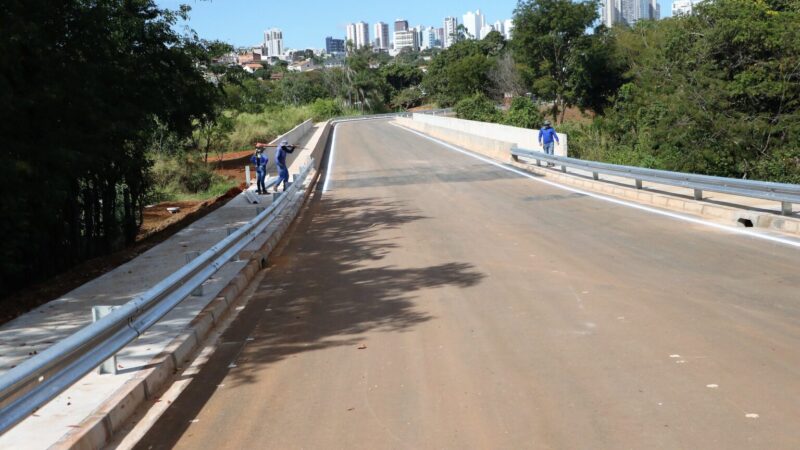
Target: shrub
<point x="524" y="113"/>
<point x="478" y="107"/>
<point x="324" y="109"/>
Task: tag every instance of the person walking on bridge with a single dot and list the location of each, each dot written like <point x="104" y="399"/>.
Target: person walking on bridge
<point x="260" y="160"/>
<point x="280" y="160"/>
<point x="547" y="136"/>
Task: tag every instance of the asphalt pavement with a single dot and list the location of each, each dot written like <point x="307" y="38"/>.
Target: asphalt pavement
<point x="433" y="300"/>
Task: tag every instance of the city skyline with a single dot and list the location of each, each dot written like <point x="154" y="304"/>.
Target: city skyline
<point x="234" y="21"/>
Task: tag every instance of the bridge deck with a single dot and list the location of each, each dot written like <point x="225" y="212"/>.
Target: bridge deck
<point x="498" y="312"/>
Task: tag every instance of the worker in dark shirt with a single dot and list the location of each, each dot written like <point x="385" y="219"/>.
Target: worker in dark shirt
<point x="260" y="160"/>
<point x="280" y="160"/>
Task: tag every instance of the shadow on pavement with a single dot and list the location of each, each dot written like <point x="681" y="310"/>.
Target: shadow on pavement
<point x="319" y="294"/>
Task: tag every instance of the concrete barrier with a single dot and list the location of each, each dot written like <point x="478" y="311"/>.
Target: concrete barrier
<point x="295" y="134"/>
<point x="492" y="148"/>
<point x="522" y="137"/>
<point x="95" y="431"/>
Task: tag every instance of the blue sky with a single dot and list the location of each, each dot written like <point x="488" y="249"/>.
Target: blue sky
<point x="306" y="23"/>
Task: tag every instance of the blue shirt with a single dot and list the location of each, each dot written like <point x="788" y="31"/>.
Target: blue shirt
<point x="259" y="160"/>
<point x="280" y="154"/>
<point x="547" y="135"/>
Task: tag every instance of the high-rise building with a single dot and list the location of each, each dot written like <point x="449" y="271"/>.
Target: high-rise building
<point x="333" y="46"/>
<point x="400" y="25"/>
<point x="682" y="7"/>
<point x="440" y="37"/>
<point x="486" y="30"/>
<point x="273" y="42"/>
<point x="508" y="28"/>
<point x="381" y="36"/>
<point x="351" y="35"/>
<point x="362" y="34"/>
<point x="429" y="39"/>
<point x="629" y="11"/>
<point x="450" y="27"/>
<point x="499" y="26"/>
<point x="406" y="39"/>
<point x="474" y="22"/>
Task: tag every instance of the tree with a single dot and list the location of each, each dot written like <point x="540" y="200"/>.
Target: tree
<point x="548" y="37"/>
<point x="458" y="72"/>
<point x="124" y="75"/>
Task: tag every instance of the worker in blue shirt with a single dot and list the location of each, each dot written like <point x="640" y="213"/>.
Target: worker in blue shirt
<point x="280" y="160"/>
<point x="546" y="137"/>
<point x="260" y="160"/>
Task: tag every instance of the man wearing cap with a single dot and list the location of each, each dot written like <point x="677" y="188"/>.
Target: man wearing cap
<point x="280" y="161"/>
<point x="546" y="137"/>
<point x="260" y="160"/>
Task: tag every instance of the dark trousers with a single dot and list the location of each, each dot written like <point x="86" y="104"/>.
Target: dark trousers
<point x="261" y="175"/>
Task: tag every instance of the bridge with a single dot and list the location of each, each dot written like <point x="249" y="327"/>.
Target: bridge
<point x="431" y="296"/>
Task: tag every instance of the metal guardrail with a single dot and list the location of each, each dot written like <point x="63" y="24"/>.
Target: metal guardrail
<point x="39" y="379"/>
<point x="784" y="193"/>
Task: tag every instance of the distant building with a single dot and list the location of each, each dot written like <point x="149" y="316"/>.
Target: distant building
<point x="682" y="7"/>
<point x="400" y="25"/>
<point x="358" y="34"/>
<point x="302" y="66"/>
<point x="249" y="57"/>
<point x="362" y="34"/>
<point x="474" y="22"/>
<point x="381" y="36"/>
<point x="429" y="38"/>
<point x="333" y="46"/>
<point x="273" y="42"/>
<point x="406" y="39"/>
<point x="351" y="34"/>
<point x="486" y="30"/>
<point x="508" y="28"/>
<point x="440" y="37"/>
<point x="629" y="11"/>
<point x="450" y="29"/>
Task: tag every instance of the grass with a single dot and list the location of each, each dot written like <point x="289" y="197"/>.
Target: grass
<point x="265" y="126"/>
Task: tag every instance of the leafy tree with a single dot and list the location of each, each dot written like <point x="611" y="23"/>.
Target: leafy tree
<point x="124" y="76"/>
<point x="549" y="37"/>
<point x="458" y="72"/>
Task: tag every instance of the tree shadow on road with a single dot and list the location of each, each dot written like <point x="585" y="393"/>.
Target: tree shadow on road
<point x="324" y="291"/>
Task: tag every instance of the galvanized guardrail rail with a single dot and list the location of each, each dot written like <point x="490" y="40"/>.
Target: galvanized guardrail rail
<point x="39" y="379"/>
<point x="784" y="193"/>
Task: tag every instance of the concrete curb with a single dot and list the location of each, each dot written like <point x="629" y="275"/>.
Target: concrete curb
<point x="727" y="214"/>
<point x="98" y="429"/>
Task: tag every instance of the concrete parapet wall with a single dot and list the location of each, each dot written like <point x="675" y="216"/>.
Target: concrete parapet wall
<point x="295" y="134"/>
<point x="522" y="137"/>
<point x="492" y="148"/>
<point x="97" y="430"/>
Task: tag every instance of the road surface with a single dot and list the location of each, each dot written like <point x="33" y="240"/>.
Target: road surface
<point x="432" y="300"/>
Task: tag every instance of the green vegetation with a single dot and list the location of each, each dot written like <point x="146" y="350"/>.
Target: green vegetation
<point x="717" y="92"/>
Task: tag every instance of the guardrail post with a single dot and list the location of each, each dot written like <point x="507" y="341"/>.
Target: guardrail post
<point x="638" y="184"/>
<point x="539" y="163"/>
<point x="247" y="176"/>
<point x="515" y="158"/>
<point x="786" y="208"/>
<point x="698" y="194"/>
<point x="595" y="175"/>
<point x="109" y="366"/>
<point x="564" y="168"/>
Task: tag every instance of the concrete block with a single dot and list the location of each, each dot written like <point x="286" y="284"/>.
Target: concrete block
<point x="202" y="324"/>
<point x="218" y="308"/>
<point x="660" y="200"/>
<point x="126" y="404"/>
<point x="92" y="434"/>
<point x="184" y="346"/>
<point x="158" y="376"/>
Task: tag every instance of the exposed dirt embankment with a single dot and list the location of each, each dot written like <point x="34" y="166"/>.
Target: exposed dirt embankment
<point x="159" y="224"/>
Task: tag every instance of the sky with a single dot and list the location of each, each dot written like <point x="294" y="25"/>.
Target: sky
<point x="306" y="23"/>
